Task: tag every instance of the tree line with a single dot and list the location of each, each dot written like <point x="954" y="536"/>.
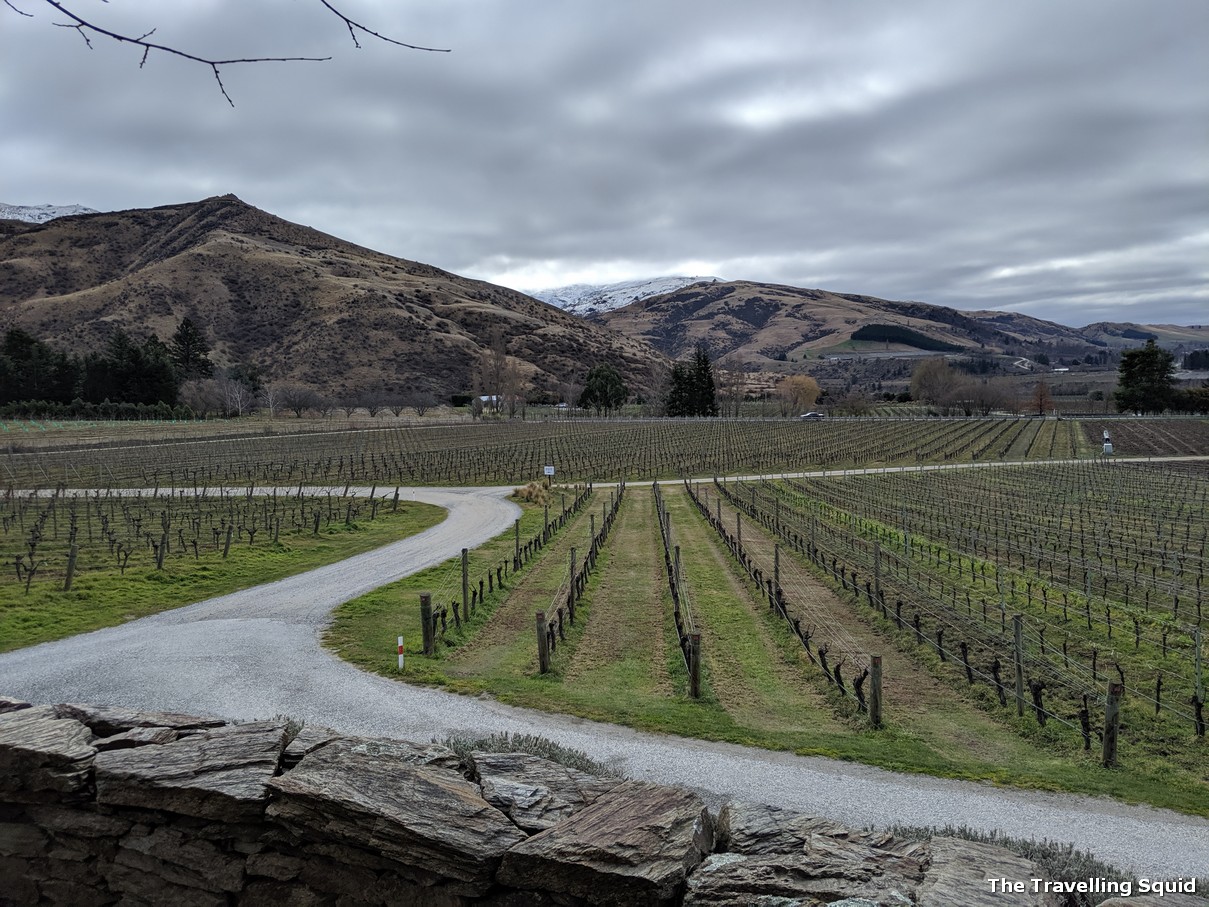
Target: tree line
<point x="141" y="377"/>
<point x="691" y="390"/>
<point x="1146" y="383"/>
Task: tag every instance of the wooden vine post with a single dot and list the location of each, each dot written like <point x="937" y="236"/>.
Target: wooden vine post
<point x="426" y="623"/>
<point x="466" y="585"/>
<point x="543" y="648"/>
<point x="1196" y="664"/>
<point x="877" y="568"/>
<point x="71" y="569"/>
<point x="1112" y="722"/>
<point x="516" y="550"/>
<point x="694" y="665"/>
<point x="1018" y="658"/>
<point x="875" y="691"/>
<point x="571" y="589"/>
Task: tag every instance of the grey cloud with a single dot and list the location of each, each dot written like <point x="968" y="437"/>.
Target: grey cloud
<point x="945" y="152"/>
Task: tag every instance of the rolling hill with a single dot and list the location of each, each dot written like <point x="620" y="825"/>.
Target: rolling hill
<point x="302" y="306"/>
<point x="758" y="325"/>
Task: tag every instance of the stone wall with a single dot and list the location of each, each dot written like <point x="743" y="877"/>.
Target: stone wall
<point x="103" y="805"/>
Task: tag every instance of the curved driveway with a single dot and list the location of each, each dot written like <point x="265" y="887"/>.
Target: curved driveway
<point x="257" y="653"/>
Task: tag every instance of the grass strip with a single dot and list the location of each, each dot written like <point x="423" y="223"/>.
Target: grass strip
<point x="365" y="631"/>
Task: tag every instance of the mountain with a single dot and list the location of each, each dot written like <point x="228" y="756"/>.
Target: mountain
<point x="302" y="306"/>
<point x="585" y="299"/>
<point x="757" y="324"/>
<point x="40" y="214"/>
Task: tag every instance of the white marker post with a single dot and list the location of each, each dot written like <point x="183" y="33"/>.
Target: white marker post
<point x="400" y="653"/>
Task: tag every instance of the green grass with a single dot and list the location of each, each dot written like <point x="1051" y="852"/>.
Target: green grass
<point x="103" y="597"/>
<point x="365" y="630"/>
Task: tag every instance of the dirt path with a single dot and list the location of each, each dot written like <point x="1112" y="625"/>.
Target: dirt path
<point x="512" y="622"/>
<point x="757" y="682"/>
<point x="629" y="641"/>
<point x="915" y="700"/>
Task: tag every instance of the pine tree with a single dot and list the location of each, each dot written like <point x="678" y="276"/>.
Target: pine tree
<point x="678" y="403"/>
<point x="1146" y="380"/>
<point x="692" y="391"/>
<point x="704" y="389"/>
<point x="127" y="372"/>
<point x="31" y="370"/>
<point x="190" y="352"/>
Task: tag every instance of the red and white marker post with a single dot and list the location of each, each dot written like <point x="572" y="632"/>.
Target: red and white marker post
<point x="400" y="653"/>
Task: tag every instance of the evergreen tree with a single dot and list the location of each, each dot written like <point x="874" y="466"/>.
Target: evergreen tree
<point x="603" y="389"/>
<point x="1146" y="380"/>
<point x="127" y="372"/>
<point x="692" y="391"/>
<point x="704" y="389"/>
<point x="31" y="370"/>
<point x="160" y="382"/>
<point x="678" y="402"/>
<point x="190" y="352"/>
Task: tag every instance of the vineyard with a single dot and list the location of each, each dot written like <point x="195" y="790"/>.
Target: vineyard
<point x="516" y="452"/>
<point x="77" y="561"/>
<point x="1151" y="437"/>
<point x="965" y="622"/>
<point x="763" y="612"/>
<point x="1035" y="587"/>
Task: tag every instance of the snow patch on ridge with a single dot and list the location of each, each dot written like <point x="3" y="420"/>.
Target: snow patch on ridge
<point x="40" y="214"/>
<point x="591" y="299"/>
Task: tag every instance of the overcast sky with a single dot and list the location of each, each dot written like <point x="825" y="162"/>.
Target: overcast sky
<point x="1043" y="156"/>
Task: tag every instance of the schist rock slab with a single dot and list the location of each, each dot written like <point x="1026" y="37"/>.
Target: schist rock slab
<point x="221" y="774"/>
<point x="634" y="845"/>
<point x="43" y="758"/>
<point x="105" y="721"/>
<point x="425" y="818"/>
<point x="535" y="793"/>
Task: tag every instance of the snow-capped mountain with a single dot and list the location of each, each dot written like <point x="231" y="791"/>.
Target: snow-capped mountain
<point x="40" y="214"/>
<point x="587" y="299"/>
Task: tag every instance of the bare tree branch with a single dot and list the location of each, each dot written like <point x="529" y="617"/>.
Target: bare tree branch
<point x="354" y="27"/>
<point x="84" y="28"/>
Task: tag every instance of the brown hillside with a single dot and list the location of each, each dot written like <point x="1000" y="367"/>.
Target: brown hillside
<point x="758" y="324"/>
<point x="1125" y="335"/>
<point x="303" y="306"/>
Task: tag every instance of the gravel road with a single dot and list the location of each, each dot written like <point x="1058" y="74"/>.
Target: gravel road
<point x="257" y="653"/>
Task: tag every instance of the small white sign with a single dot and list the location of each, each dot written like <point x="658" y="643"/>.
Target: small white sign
<point x="549" y="470"/>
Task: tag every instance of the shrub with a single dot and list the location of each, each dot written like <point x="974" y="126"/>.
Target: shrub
<point x="533" y="493"/>
<point x="528" y="743"/>
<point x="1060" y="862"/>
